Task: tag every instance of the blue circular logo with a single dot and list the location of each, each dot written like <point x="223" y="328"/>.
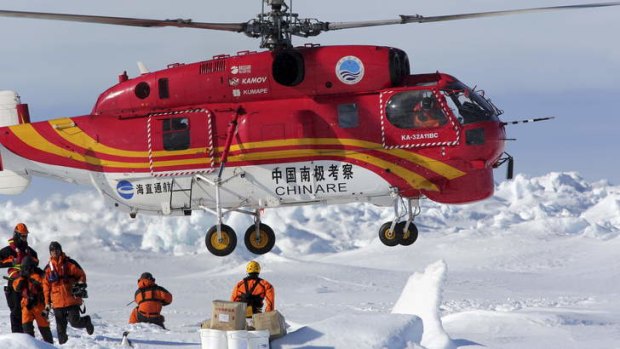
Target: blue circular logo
<point x="125" y="189"/>
<point x="350" y="70"/>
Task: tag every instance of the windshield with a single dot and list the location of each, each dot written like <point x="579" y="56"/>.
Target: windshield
<point x="468" y="106"/>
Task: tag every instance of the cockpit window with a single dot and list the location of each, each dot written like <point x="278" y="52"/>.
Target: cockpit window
<point x="415" y="109"/>
<point x="468" y="106"/>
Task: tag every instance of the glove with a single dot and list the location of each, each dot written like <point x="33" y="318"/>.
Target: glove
<point x="46" y="311"/>
<point x="79" y="290"/>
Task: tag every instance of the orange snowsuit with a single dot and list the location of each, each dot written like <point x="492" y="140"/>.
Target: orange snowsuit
<point x="30" y="289"/>
<point x="60" y="275"/>
<point x="424" y="118"/>
<point x="33" y="302"/>
<point x="11" y="257"/>
<point x="150" y="298"/>
<point x="254" y="291"/>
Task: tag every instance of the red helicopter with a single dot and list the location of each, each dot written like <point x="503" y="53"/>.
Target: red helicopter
<point x="290" y="125"/>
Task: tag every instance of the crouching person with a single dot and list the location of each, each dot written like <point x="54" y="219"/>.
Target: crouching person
<point x="150" y="298"/>
<point x="30" y="286"/>
<point x="65" y="286"/>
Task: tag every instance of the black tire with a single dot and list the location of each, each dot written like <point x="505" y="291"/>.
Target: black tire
<point x="407" y="237"/>
<point x="387" y="236"/>
<point x="227" y="243"/>
<point x="265" y="242"/>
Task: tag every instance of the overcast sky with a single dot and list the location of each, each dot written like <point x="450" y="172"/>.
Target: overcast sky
<point x="564" y="64"/>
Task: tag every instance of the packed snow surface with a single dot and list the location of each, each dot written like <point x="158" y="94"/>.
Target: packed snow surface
<point x="535" y="266"/>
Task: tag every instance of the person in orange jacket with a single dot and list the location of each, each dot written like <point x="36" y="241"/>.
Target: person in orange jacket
<point x="11" y="257"/>
<point x="64" y="287"/>
<point x="150" y="298"/>
<point x="30" y="286"/>
<point x="427" y="114"/>
<point x="254" y="291"/>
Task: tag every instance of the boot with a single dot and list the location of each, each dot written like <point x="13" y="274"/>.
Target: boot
<point x="28" y="328"/>
<point x="46" y="333"/>
<point x="90" y="329"/>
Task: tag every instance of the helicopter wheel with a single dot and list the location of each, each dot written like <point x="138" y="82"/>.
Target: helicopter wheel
<point x="223" y="246"/>
<point x="407" y="237"/>
<point x="262" y="243"/>
<point x="388" y="236"/>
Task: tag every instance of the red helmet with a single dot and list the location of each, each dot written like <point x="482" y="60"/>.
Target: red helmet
<point x="21" y="229"/>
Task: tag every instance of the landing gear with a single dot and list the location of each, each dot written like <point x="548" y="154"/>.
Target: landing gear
<point x="259" y="238"/>
<point x="398" y="235"/>
<point x="387" y="235"/>
<point x="405" y="232"/>
<point x="221" y="239"/>
<point x="221" y="242"/>
<point x="407" y="236"/>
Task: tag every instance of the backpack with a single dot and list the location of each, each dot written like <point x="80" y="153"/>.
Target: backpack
<point x="254" y="302"/>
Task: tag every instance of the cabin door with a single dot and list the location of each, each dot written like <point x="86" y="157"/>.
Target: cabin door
<point x="417" y="119"/>
<point x="180" y="146"/>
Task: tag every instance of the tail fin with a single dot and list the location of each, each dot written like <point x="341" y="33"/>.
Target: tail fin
<point x="13" y="183"/>
<point x="12" y="111"/>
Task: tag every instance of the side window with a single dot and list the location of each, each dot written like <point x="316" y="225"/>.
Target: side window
<point x="415" y="110"/>
<point x="142" y="90"/>
<point x="164" y="92"/>
<point x="347" y="115"/>
<point x="175" y="133"/>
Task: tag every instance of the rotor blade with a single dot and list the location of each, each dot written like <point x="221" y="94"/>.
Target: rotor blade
<point x="135" y="22"/>
<point x="404" y="19"/>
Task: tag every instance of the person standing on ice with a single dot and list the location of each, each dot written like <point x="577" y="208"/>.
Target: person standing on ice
<point x="150" y="298"/>
<point x="65" y="286"/>
<point x="11" y="257"/>
<point x="254" y="291"/>
<point x="30" y="286"/>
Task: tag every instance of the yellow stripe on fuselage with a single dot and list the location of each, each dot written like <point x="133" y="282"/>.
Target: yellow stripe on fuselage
<point x="30" y="136"/>
<point x="436" y="166"/>
<point x="35" y="140"/>
<point x="77" y="137"/>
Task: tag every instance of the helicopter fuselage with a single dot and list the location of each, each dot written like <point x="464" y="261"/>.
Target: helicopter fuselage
<point x="306" y="125"/>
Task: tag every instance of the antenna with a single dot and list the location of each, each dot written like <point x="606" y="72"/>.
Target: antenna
<point x="142" y="68"/>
